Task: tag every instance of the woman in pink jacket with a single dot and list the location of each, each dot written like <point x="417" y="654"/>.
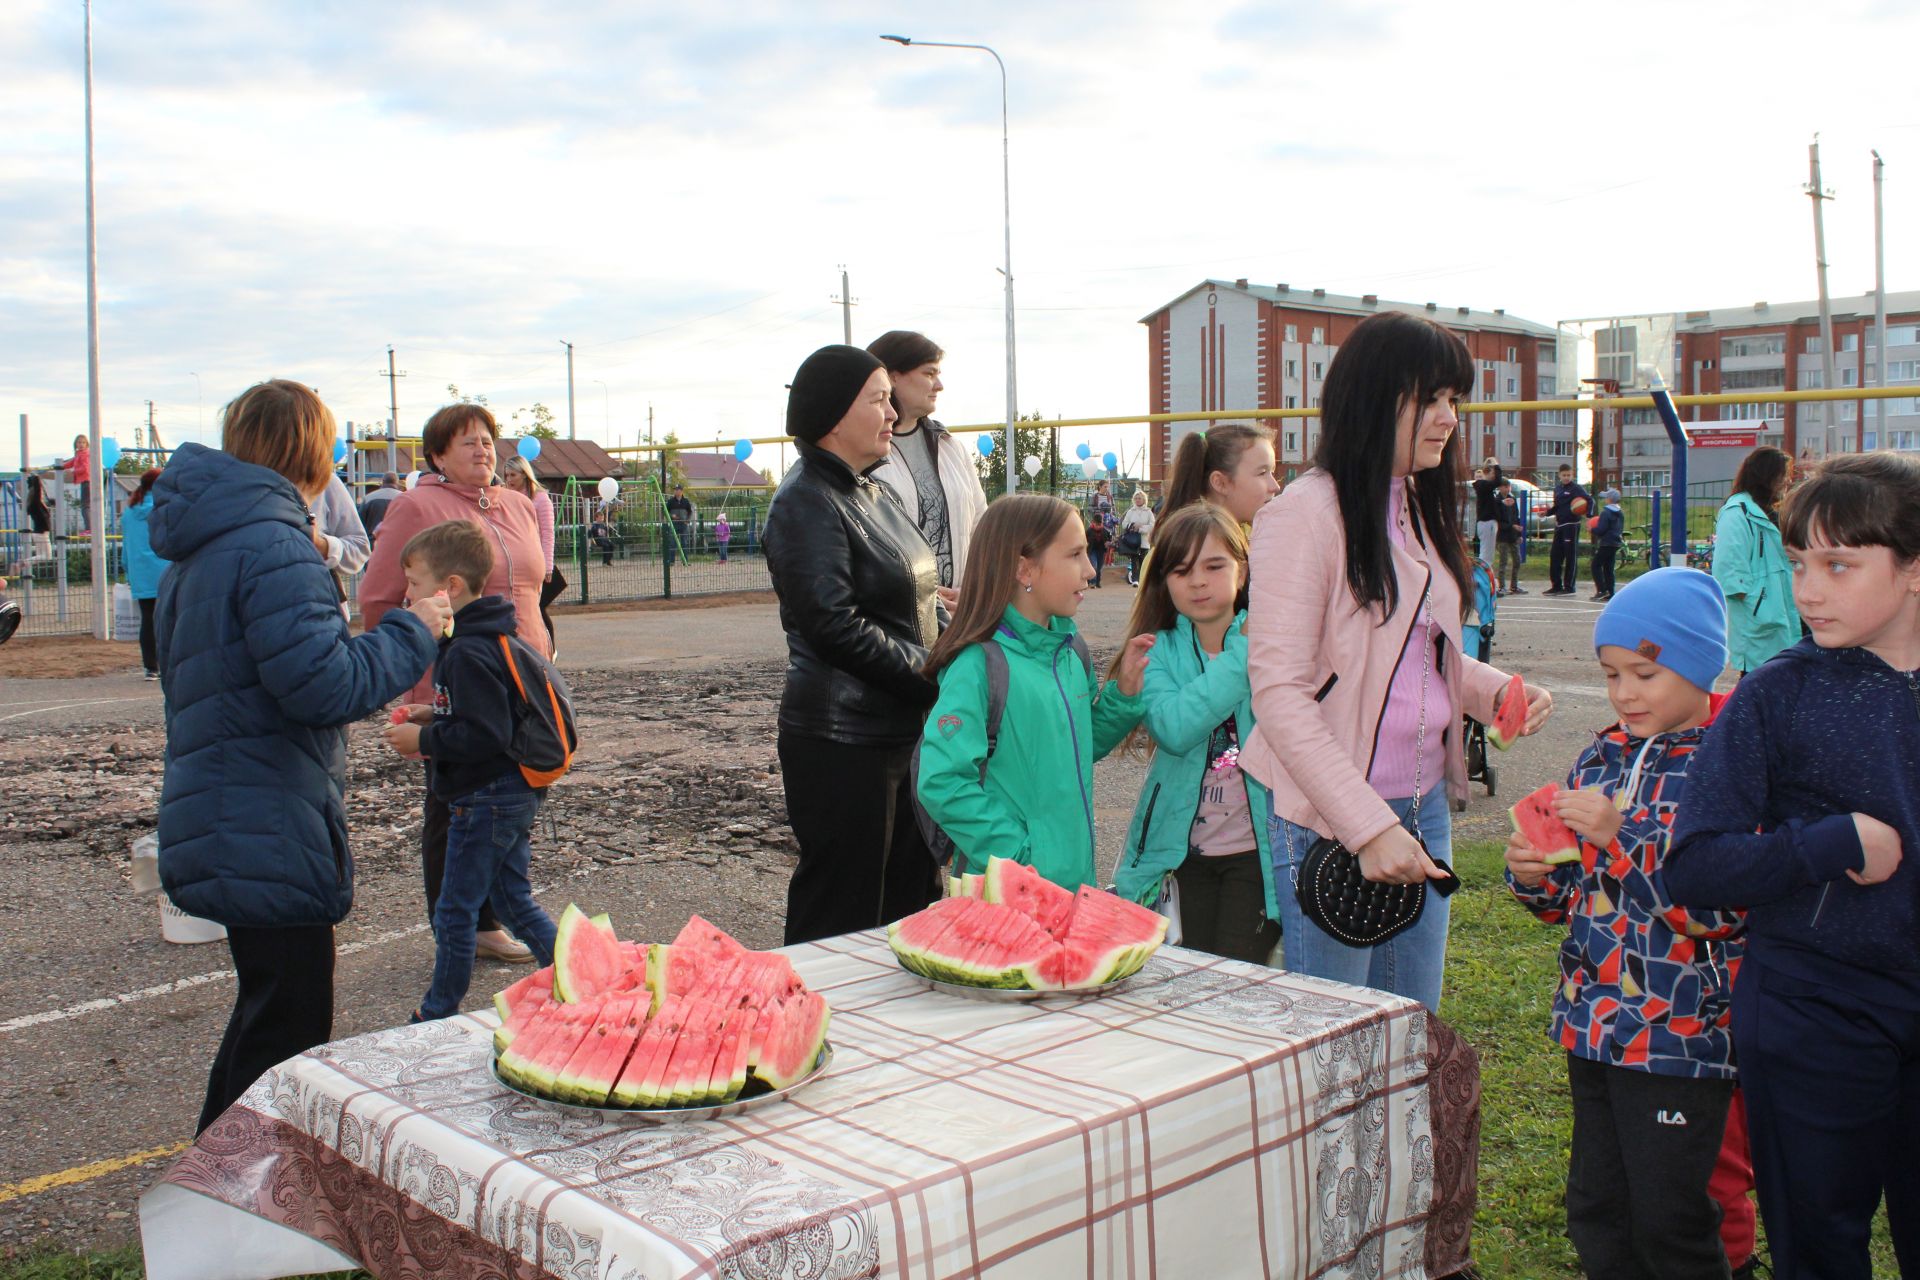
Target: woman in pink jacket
<point x="458" y="442"/>
<point x="1358" y="583"/>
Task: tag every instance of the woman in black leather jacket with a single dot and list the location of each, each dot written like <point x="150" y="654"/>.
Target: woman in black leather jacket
<point x="856" y="584"/>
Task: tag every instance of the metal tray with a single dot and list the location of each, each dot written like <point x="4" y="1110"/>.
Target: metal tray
<point x="673" y="1115"/>
<point x="1021" y="995"/>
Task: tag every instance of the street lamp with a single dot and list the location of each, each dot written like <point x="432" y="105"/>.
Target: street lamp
<point x="1006" y="198"/>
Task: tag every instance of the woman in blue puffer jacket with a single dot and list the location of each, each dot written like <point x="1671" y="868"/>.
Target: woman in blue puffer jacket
<point x="143" y="567"/>
<point x="261" y="678"/>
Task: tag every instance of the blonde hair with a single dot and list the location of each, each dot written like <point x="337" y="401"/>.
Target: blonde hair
<point x="515" y="465"/>
<point x="284" y="427"/>
<point x="1022" y="525"/>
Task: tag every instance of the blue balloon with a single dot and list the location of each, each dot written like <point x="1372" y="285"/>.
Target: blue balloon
<point x="742" y="450"/>
<point x="109" y="454"/>
<point x="528" y="448"/>
<point x="1083" y="451"/>
<point x="985" y="443"/>
<point x="1110" y="461"/>
<point x="339" y="452"/>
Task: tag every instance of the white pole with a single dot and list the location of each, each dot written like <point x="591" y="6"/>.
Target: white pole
<point x="1879" y="303"/>
<point x="96" y="504"/>
<point x="569" y="347"/>
<point x="1820" y="196"/>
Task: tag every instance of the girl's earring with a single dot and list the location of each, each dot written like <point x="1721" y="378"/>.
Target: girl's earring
<point x="1027" y="587"/>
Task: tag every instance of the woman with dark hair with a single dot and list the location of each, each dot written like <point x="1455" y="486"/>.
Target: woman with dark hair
<point x="856" y="585"/>
<point x="39" y="520"/>
<point x="1750" y="563"/>
<point x="1360" y="583"/>
<point x="458" y="444"/>
<point x="932" y="472"/>
<point x="143" y="566"/>
<point x="1230" y="465"/>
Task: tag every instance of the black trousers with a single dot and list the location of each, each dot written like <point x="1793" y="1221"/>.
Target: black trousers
<point x="1603" y="564"/>
<point x="1223" y="907"/>
<point x="550" y="591"/>
<point x="1563" y="557"/>
<point x="862" y="860"/>
<point x="148" y="660"/>
<point x="1644" y="1148"/>
<point x="284" y="1007"/>
<point x="433" y="859"/>
<point x="1832" y="1084"/>
<point x="1134" y="559"/>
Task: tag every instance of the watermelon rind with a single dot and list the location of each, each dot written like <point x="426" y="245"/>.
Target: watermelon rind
<point x="587" y="959"/>
<point x="1511" y="715"/>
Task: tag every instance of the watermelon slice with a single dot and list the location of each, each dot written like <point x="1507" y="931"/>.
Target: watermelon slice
<point x="1535" y="819"/>
<point x="800" y="1034"/>
<point x="1510" y="717"/>
<point x="594" y="1067"/>
<point x="1020" y="886"/>
<point x="587" y="959"/>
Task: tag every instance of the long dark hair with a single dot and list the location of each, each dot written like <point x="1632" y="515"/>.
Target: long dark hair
<point x="141" y="490"/>
<point x="1763" y="476"/>
<point x="1201" y="453"/>
<point x="1023" y="524"/>
<point x="1387" y="362"/>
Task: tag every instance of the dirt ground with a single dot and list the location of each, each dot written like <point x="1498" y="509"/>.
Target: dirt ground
<point x="675" y="806"/>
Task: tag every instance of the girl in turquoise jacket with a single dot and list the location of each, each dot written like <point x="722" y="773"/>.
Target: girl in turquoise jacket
<point x="1029" y="794"/>
<point x="1750" y="563"/>
<point x="1194" y="827"/>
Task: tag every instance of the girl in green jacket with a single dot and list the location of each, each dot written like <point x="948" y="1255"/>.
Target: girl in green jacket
<point x="1028" y="795"/>
<point x="1195" y="825"/>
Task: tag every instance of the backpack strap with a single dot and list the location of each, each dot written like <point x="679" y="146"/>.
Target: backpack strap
<point x="997" y="681"/>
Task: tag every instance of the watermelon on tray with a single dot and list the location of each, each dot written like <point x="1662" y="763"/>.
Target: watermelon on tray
<point x="1535" y="818"/>
<point x="1027" y="934"/>
<point x="697" y="1022"/>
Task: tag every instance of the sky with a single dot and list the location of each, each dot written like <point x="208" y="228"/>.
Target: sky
<point x="285" y="190"/>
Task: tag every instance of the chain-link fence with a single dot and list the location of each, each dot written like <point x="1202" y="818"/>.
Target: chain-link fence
<point x="51" y="577"/>
<point x="644" y="544"/>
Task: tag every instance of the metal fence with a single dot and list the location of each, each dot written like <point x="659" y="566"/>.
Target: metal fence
<point x="55" y="591"/>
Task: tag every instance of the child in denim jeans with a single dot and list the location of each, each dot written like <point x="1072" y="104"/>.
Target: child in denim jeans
<point x="464" y="736"/>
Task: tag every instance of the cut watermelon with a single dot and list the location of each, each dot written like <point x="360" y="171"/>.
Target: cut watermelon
<point x="594" y="1066"/>
<point x="801" y="1033"/>
<point x="1020" y="886"/>
<point x="1510" y="716"/>
<point x="995" y="944"/>
<point x="1535" y="819"/>
<point x="587" y="959"/>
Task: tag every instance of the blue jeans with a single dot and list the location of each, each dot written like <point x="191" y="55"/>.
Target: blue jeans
<point x="1410" y="964"/>
<point x="487" y="860"/>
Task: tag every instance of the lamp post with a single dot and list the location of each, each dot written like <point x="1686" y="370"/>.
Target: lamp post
<point x="1006" y="201"/>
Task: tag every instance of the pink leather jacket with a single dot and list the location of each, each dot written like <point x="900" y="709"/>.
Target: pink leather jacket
<point x="1320" y="667"/>
<point x="519" y="563"/>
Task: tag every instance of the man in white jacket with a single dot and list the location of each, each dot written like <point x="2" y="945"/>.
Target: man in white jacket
<point x="932" y="472"/>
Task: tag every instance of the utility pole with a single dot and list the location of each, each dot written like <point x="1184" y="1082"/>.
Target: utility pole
<point x="146" y="436"/>
<point x="845" y="301"/>
<point x="96" y="501"/>
<point x="393" y="411"/>
<point x="569" y="347"/>
<point x="1820" y="195"/>
<point x="23" y="444"/>
<point x="1879" y="303"/>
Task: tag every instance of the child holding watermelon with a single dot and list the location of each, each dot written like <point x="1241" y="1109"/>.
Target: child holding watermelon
<point x="1645" y="990"/>
<point x="467" y="735"/>
<point x="1805" y="800"/>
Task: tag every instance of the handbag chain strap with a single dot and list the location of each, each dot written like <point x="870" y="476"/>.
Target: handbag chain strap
<point x="1420" y="733"/>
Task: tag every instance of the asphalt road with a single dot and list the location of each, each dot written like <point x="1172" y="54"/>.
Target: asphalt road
<point x="106" y="1030"/>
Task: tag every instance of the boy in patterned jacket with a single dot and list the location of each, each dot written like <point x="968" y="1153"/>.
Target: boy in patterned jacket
<point x="1645" y="985"/>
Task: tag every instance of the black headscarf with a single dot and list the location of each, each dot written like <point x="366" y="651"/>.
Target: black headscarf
<point x="827" y="384"/>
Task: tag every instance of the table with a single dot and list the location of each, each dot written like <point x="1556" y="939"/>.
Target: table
<point x="1212" y="1119"/>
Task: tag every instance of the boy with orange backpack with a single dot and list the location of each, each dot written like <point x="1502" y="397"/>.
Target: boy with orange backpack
<point x="498" y="733"/>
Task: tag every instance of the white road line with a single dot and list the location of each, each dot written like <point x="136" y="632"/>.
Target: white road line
<point x="64" y="706"/>
<point x="85" y="1007"/>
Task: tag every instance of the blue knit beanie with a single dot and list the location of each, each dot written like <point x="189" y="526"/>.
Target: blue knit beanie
<point x="1674" y="616"/>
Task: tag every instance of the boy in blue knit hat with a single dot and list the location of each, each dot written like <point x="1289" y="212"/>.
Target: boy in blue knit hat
<point x="1643" y="1005"/>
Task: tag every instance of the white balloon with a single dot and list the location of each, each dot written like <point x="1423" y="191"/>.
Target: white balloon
<point x="413" y="479"/>
<point x="609" y="489"/>
<point x="1031" y="466"/>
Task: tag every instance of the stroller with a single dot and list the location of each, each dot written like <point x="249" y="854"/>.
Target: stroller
<point x="1478" y="643"/>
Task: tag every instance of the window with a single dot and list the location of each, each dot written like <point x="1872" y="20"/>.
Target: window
<point x="1903" y="335"/>
<point x="1849" y="377"/>
<point x="1319" y="337"/>
<point x="1512" y="449"/>
<point x="1870" y="440"/>
<point x="1513" y="354"/>
<point x="1513" y="386"/>
<point x="1753" y="379"/>
<point x="1849" y="342"/>
<point x="1293" y="441"/>
<point x="1902" y="370"/>
<point x="1847" y="408"/>
<point x="1319" y="370"/>
<point x="1316" y="402"/>
<point x="1813" y="380"/>
<point x="1763" y="344"/>
<point x="1813" y="346"/>
<point x="1293" y="402"/>
<point x="1293" y="368"/>
<point x="1293" y="333"/>
<point x="1613" y="450"/>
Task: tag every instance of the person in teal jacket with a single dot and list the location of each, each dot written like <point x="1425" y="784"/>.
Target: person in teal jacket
<point x="1750" y="563"/>
<point x="1030" y="796"/>
<point x="1194" y="826"/>
<point x="143" y="566"/>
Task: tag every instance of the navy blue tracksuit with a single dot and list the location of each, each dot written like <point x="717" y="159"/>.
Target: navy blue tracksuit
<point x="1826" y="1008"/>
<point x="1561" y="566"/>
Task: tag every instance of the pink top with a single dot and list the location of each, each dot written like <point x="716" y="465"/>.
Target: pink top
<point x="543" y="512"/>
<point x="1394" y="766"/>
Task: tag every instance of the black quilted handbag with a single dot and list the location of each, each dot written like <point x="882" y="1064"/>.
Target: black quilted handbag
<point x="1353" y="909"/>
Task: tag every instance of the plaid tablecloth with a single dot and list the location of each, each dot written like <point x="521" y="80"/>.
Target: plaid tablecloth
<point x="1213" y="1119"/>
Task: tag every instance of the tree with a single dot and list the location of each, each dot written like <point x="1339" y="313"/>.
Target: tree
<point x="538" y="424"/>
<point x="1029" y="442"/>
<point x="453" y="393"/>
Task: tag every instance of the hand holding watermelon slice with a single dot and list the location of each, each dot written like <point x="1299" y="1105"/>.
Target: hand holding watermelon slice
<point x="1520" y="709"/>
<point x="1588" y="812"/>
<point x="1540" y="841"/>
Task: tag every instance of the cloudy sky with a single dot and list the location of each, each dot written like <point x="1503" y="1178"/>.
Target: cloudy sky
<point x="286" y="189"/>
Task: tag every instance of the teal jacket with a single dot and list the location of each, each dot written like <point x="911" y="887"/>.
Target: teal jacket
<point x="1750" y="564"/>
<point x="1036" y="803"/>
<point x="1186" y="696"/>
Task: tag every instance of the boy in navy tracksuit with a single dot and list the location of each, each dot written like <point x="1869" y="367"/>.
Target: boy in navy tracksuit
<point x="1608" y="528"/>
<point x="1802" y="803"/>
<point x="1642" y="1007"/>
<point x="465" y="735"/>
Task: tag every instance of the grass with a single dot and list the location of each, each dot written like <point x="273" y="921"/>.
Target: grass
<point x="1501" y="973"/>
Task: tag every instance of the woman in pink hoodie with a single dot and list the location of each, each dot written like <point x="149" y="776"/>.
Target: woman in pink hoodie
<point x="1359" y="575"/>
<point x="458" y="442"/>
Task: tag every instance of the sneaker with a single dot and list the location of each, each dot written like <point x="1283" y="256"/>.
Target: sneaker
<point x="1598" y="595"/>
<point x="498" y="944"/>
<point x="153" y="675"/>
<point x="1516" y="590"/>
